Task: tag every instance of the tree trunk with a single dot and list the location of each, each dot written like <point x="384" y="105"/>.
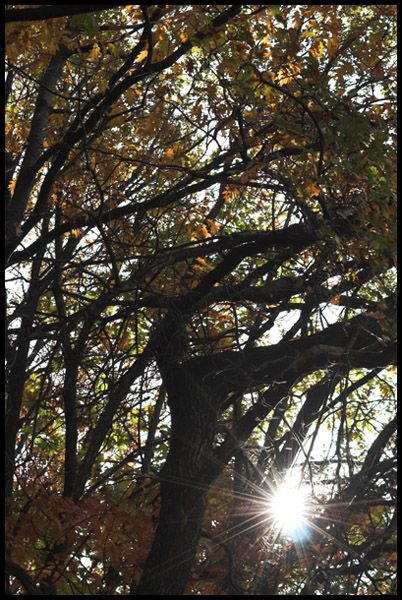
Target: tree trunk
<point x="176" y="540"/>
<point x="194" y="409"/>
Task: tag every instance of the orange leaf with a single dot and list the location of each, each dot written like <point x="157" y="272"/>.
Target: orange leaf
<point x="312" y="188"/>
<point x="141" y="56"/>
<point x="11" y="186"/>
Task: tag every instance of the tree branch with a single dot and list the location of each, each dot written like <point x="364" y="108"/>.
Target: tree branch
<point x="42" y="13"/>
<point x="15" y="570"/>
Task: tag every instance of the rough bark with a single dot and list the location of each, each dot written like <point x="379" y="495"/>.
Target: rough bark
<point x="194" y="410"/>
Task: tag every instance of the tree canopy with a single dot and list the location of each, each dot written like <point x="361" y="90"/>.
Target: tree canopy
<point x="201" y="305"/>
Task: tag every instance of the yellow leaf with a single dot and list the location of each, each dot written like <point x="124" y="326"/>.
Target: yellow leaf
<point x="201" y="232"/>
<point x="95" y="52"/>
<point x="229" y="193"/>
<point x="112" y="49"/>
<point x="317" y="49"/>
<point x="169" y="154"/>
<point x="124" y="341"/>
<point x="214" y="227"/>
<point x="141" y="56"/>
<point x="103" y="85"/>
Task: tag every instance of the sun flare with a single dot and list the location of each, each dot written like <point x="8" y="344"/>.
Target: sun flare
<point x="288" y="508"/>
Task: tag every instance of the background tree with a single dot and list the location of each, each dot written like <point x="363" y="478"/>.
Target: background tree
<point x="200" y="246"/>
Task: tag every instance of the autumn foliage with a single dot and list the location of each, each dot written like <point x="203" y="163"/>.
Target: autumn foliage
<point x="200" y="282"/>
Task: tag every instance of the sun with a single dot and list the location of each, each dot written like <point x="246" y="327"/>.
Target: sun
<point x="288" y="509"/>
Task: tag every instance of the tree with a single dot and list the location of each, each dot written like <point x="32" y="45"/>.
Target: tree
<point x="200" y="247"/>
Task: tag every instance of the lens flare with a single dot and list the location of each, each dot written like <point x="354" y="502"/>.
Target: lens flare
<point x="288" y="510"/>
